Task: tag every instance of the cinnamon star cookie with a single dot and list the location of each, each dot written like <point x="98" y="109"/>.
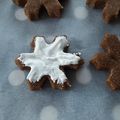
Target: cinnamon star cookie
<point x="47" y="62"/>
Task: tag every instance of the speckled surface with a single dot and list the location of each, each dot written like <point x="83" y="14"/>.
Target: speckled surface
<point x="88" y="99"/>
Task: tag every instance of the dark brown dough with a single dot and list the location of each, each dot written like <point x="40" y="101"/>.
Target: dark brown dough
<point x="111" y="8"/>
<point x="33" y="7"/>
<point x="109" y="59"/>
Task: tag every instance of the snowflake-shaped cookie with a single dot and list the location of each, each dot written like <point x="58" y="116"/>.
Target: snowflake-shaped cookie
<point x="111" y="8"/>
<point x="48" y="62"/>
<point x="33" y="7"/>
<point x="109" y="59"/>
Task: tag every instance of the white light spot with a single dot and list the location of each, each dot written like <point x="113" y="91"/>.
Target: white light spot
<point x="81" y="13"/>
<point x="49" y="113"/>
<point x="84" y="76"/>
<point x="16" y="77"/>
<point x="116" y="112"/>
<point x="20" y="14"/>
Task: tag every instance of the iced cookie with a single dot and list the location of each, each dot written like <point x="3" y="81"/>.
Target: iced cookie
<point x="109" y="59"/>
<point x="111" y="8"/>
<point x="33" y="7"/>
<point x="47" y="62"/>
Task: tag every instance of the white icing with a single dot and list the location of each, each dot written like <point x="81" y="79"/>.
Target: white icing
<point x="47" y="58"/>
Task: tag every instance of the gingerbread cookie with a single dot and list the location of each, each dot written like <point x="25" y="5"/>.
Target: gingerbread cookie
<point x="111" y="8"/>
<point x="47" y="62"/>
<point x="109" y="59"/>
<point x="33" y="7"/>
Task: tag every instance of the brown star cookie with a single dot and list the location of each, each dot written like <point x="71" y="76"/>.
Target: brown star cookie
<point x="109" y="59"/>
<point x="111" y="8"/>
<point x="32" y="8"/>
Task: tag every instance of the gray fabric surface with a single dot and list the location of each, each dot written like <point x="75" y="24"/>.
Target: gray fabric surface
<point x="90" y="100"/>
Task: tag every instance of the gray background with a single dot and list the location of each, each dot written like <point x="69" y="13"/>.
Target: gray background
<point x="94" y="101"/>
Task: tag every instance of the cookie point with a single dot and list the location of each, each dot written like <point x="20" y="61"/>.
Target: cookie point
<point x="39" y="38"/>
<point x="62" y="39"/>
